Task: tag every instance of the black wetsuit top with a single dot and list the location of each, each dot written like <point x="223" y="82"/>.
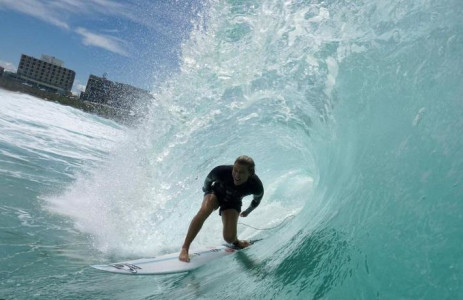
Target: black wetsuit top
<point x="220" y="182"/>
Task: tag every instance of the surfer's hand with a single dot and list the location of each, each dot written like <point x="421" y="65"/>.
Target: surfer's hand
<point x="244" y="214"/>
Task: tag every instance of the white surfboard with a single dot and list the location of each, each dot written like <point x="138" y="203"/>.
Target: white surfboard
<point x="169" y="263"/>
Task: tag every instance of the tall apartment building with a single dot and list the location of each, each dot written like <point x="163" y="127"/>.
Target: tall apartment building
<point x="121" y="95"/>
<point x="47" y="73"/>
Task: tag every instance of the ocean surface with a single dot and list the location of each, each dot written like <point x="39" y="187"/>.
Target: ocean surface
<point x="353" y="112"/>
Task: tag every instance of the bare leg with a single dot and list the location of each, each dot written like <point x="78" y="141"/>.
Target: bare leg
<point x="210" y="203"/>
<point x="230" y="223"/>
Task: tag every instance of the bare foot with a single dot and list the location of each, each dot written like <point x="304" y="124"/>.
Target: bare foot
<point x="184" y="255"/>
<point x="242" y="244"/>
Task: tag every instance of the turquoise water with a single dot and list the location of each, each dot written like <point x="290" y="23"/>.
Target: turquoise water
<point x="353" y="113"/>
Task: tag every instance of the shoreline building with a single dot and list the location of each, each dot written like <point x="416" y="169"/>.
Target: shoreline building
<point x="47" y="73"/>
<point x="115" y="94"/>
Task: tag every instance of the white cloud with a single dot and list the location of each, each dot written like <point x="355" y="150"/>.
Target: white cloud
<point x="78" y="87"/>
<point x="58" y="12"/>
<point x="37" y="9"/>
<point x="81" y="87"/>
<point x="8" y="66"/>
<point x="104" y="7"/>
<point x="107" y="42"/>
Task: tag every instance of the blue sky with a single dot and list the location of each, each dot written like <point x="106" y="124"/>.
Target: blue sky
<point x="135" y="42"/>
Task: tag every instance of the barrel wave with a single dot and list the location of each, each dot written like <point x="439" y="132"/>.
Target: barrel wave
<point x="352" y="111"/>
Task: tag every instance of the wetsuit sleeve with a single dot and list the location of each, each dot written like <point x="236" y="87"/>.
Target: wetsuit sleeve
<point x="258" y="195"/>
<point x="211" y="177"/>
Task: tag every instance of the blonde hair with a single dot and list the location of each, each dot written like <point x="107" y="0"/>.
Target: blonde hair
<point x="247" y="161"/>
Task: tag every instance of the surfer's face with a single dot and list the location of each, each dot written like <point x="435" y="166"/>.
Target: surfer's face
<point x="240" y="174"/>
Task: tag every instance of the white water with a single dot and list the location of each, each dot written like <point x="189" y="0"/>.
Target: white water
<point x="352" y="113"/>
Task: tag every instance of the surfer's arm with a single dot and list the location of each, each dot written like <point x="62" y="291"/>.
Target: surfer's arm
<point x="258" y="195"/>
<point x="254" y="203"/>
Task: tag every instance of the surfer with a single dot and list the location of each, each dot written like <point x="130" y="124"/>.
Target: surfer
<point x="225" y="187"/>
